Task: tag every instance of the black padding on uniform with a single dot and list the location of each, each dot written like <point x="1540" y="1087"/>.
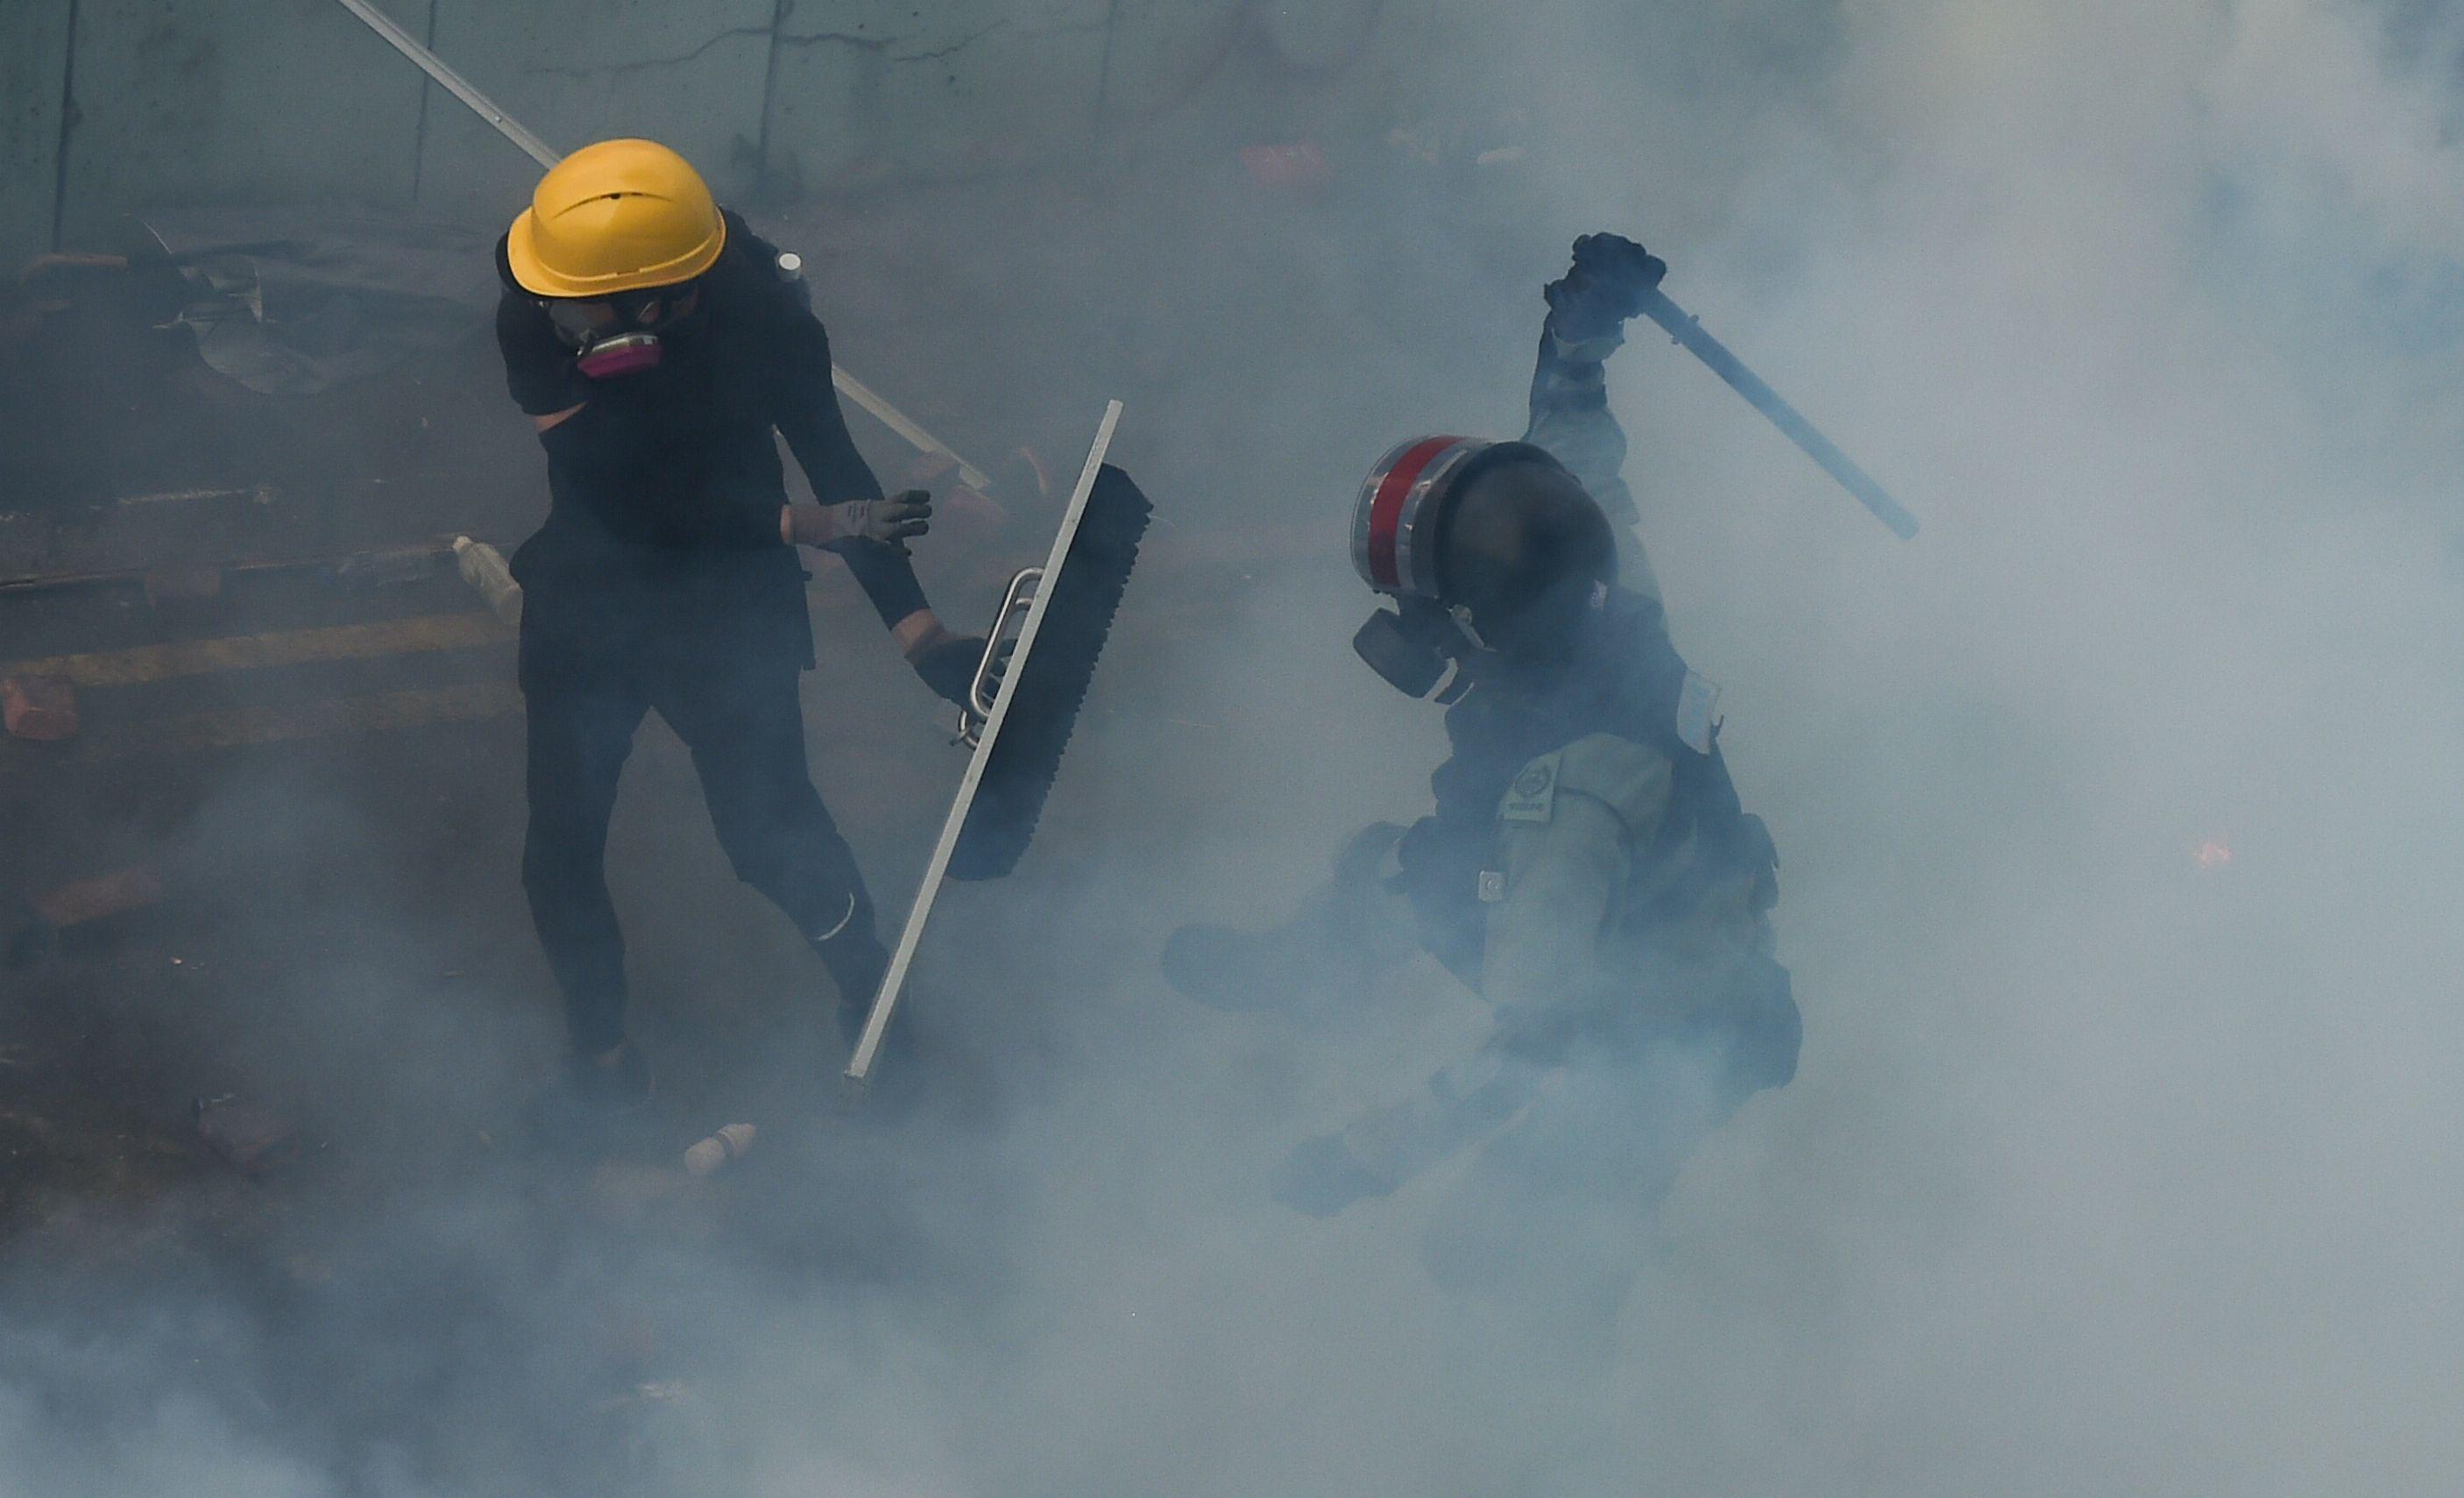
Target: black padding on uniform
<point x="1052" y="681"/>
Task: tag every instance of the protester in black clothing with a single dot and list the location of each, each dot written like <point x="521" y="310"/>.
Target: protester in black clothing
<point x="657" y="342"/>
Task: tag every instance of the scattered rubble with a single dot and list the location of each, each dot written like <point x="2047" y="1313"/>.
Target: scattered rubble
<point x="714" y="1152"/>
<point x="483" y="566"/>
<point x="391" y="566"/>
<point x="37" y="927"/>
<point x="40" y="708"/>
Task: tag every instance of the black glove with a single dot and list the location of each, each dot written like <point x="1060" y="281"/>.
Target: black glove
<point x="1606" y="285"/>
<point x="948" y="666"/>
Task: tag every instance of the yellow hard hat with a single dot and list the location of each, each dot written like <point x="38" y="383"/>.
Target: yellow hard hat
<point x="618" y="217"/>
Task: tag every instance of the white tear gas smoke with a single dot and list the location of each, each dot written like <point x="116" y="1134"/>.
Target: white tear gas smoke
<point x="2119" y="846"/>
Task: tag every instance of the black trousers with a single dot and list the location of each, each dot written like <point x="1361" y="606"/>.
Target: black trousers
<point x="746" y="731"/>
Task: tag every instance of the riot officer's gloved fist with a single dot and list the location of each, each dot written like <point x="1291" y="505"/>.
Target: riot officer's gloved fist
<point x="1605" y="286"/>
<point x="890" y="523"/>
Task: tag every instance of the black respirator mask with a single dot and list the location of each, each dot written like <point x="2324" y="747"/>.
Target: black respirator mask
<point x="1419" y="647"/>
<point x="617" y="336"/>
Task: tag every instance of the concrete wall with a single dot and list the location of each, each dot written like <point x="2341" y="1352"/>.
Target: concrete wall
<point x="237" y="101"/>
<point x="863" y="94"/>
<point x="689" y="73"/>
<point x="224" y="100"/>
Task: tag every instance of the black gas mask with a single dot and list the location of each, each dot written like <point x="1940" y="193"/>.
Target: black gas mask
<point x="619" y="335"/>
<point x="1419" y="646"/>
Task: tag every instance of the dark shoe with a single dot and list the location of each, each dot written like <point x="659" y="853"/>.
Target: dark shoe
<point x="856" y="962"/>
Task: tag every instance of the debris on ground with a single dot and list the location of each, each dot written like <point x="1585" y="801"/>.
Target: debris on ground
<point x="714" y="1152"/>
<point x="40" y="708"/>
<point x="483" y="566"/>
<point x="35" y="927"/>
<point x="390" y="566"/>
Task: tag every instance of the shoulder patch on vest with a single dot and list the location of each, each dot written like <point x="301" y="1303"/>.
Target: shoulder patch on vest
<point x="1533" y="795"/>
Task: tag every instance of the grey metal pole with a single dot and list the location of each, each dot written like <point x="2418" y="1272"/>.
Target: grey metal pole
<point x="1687" y="330"/>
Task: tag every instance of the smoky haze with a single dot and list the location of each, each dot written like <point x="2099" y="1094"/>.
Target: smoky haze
<point x="2116" y="814"/>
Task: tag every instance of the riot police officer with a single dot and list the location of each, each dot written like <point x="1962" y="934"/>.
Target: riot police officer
<point x="1587" y="867"/>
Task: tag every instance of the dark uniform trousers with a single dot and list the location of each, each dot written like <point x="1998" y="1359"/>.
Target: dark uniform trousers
<point x="660" y="582"/>
<point x="737" y="712"/>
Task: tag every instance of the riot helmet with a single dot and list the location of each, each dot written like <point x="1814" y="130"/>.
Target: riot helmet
<point x="1487" y="548"/>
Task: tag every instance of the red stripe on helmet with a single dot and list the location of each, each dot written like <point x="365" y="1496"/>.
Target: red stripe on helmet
<point x="1386" y="510"/>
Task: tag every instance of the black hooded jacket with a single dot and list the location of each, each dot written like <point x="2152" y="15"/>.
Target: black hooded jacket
<point x="665" y="486"/>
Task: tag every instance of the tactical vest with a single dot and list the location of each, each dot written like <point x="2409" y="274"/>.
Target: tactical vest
<point x="1626" y="681"/>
